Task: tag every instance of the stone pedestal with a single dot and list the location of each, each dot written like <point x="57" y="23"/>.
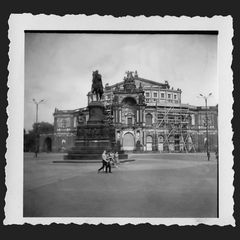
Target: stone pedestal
<point x="96" y="113"/>
<point x="94" y="137"/>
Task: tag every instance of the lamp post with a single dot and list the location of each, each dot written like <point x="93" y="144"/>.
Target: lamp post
<point x="206" y="98"/>
<point x="155" y="130"/>
<point x="36" y="122"/>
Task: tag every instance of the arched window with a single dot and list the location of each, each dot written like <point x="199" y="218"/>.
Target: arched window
<point x="149" y="139"/>
<point x="47" y="144"/>
<point x="160" y="139"/>
<point x="171" y="139"/>
<point x="129" y="121"/>
<point x="64" y="123"/>
<point x="149" y="119"/>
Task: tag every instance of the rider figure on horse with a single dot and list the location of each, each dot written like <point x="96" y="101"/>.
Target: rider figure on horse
<point x="97" y="87"/>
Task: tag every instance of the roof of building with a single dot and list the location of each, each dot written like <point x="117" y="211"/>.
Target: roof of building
<point x="57" y="111"/>
<point x="142" y="80"/>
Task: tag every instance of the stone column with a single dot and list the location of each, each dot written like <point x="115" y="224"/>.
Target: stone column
<point x="120" y="116"/>
<point x="114" y="115"/>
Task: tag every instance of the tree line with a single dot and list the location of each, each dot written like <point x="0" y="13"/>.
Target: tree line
<point x="32" y="136"/>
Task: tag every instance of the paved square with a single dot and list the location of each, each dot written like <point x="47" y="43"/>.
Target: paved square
<point x="155" y="185"/>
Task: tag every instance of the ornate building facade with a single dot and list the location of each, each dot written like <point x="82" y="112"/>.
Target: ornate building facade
<point x="147" y="115"/>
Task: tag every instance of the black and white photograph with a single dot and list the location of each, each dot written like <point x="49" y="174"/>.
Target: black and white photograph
<point x="120" y="123"/>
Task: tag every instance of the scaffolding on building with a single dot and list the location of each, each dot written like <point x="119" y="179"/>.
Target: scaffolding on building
<point x="175" y="123"/>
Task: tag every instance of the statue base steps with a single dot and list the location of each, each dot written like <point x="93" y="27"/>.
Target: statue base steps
<point x="90" y="156"/>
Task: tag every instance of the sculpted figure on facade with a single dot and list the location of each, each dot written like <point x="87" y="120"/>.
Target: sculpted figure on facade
<point x="115" y="99"/>
<point x="129" y="83"/>
<point x="141" y="99"/>
<point x="117" y="89"/>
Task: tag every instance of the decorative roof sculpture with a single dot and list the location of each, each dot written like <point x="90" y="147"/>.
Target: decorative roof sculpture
<point x="129" y="83"/>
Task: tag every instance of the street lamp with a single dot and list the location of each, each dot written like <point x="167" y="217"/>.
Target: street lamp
<point x="36" y="137"/>
<point x="206" y="98"/>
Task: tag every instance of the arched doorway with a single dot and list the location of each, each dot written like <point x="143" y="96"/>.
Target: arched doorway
<point x="160" y="143"/>
<point x="189" y="143"/>
<point x="181" y="144"/>
<point x="128" y="142"/>
<point x="171" y="144"/>
<point x="48" y="144"/>
<point x="149" y="143"/>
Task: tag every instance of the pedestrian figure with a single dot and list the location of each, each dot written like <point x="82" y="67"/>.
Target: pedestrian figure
<point x="208" y="155"/>
<point x="112" y="159"/>
<point x="109" y="162"/>
<point x="104" y="161"/>
<point x="116" y="158"/>
<point x="216" y="154"/>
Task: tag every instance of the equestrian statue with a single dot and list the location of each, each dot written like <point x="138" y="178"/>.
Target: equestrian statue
<point x="97" y="87"/>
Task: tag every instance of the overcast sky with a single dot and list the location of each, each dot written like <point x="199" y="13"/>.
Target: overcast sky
<point x="58" y="67"/>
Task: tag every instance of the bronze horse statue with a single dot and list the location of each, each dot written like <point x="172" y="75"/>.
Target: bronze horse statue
<point x="97" y="87"/>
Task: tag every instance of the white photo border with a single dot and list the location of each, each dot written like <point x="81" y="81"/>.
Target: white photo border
<point x="18" y="23"/>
